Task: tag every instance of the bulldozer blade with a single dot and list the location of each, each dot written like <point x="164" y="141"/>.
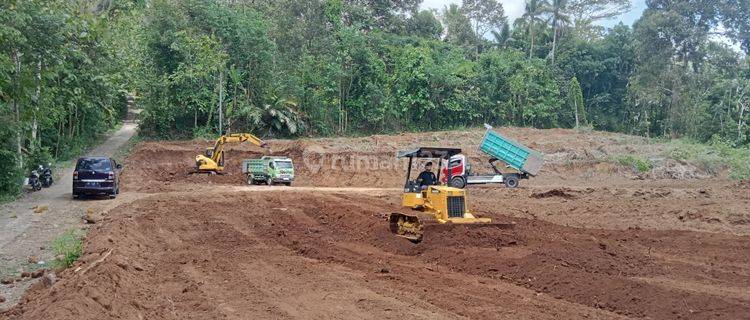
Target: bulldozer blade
<point x="406" y="226"/>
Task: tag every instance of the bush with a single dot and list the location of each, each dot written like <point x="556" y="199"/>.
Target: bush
<point x="634" y="162"/>
<point x="68" y="248"/>
<point x="713" y="157"/>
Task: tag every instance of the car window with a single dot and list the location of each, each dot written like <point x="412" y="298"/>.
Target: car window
<point x="94" y="164"/>
<point x="284" y="164"/>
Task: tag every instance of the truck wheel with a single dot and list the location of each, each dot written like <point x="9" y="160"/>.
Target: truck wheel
<point x="511" y="181"/>
<point x="458" y="182"/>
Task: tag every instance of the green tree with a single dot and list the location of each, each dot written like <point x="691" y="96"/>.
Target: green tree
<point x="424" y="24"/>
<point x="559" y="19"/>
<point x="458" y="25"/>
<point x="575" y="101"/>
<point x="485" y="16"/>
<point x="586" y="12"/>
<point x="533" y="16"/>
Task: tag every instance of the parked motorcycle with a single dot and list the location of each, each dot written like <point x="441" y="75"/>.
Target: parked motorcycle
<point x="46" y="176"/>
<point x="34" y="181"/>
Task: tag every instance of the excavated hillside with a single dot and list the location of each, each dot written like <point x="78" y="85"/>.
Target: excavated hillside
<point x="592" y="239"/>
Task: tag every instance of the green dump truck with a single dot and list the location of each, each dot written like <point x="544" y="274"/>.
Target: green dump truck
<point x="269" y="170"/>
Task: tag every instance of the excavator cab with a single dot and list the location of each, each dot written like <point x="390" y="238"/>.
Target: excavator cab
<point x="210" y="154"/>
<point x="434" y="204"/>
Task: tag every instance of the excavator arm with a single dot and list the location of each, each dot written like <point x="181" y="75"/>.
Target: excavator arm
<point x="213" y="160"/>
<point x="218" y="151"/>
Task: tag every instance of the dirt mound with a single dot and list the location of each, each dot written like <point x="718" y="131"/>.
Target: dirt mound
<point x="558" y="192"/>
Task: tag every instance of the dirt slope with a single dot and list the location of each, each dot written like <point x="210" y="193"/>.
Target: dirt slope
<point x="589" y="242"/>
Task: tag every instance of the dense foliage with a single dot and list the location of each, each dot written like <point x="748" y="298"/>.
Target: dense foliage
<point x="63" y="80"/>
<point x="325" y="67"/>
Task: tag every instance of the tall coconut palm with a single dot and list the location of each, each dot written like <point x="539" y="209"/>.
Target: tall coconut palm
<point x="559" y="19"/>
<point x="533" y="14"/>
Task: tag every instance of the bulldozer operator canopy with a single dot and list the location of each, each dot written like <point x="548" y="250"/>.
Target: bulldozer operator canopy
<point x="429" y="152"/>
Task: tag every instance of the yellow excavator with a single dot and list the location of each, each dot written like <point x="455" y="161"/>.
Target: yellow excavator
<point x="434" y="205"/>
<point x="213" y="160"/>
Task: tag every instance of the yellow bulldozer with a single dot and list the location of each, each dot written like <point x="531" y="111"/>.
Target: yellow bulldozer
<point x="433" y="205"/>
<point x="212" y="161"/>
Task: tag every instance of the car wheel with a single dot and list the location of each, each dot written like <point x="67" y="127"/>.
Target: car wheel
<point x="458" y="182"/>
<point x="288" y="184"/>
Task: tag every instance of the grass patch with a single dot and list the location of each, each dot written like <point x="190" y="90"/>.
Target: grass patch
<point x="68" y="248"/>
<point x="712" y="157"/>
<point x="636" y="163"/>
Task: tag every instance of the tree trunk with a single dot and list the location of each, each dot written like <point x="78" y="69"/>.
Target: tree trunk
<point x="739" y="121"/>
<point x="37" y="95"/>
<point x="648" y="126"/>
<point x="575" y="103"/>
<point x="554" y="41"/>
<point x="59" y="137"/>
<point x="531" y="48"/>
<point x="221" y="100"/>
<point x="17" y="105"/>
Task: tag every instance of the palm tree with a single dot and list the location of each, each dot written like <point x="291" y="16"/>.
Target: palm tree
<point x="559" y="18"/>
<point x="503" y="37"/>
<point x="532" y="14"/>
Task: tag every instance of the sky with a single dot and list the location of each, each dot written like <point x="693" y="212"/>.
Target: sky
<point x="514" y="9"/>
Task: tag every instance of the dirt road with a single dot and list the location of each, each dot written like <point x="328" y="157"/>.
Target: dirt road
<point x="24" y="233"/>
<point x="591" y="241"/>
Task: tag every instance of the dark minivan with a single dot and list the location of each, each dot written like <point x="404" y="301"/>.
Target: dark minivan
<point x="96" y="176"/>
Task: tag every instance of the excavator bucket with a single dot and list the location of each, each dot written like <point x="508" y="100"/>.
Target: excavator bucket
<point x="415" y="227"/>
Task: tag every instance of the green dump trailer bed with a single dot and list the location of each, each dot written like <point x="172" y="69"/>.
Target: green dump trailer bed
<point x="514" y="154"/>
